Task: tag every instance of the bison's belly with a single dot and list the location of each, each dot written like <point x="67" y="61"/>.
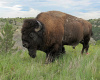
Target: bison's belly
<point x="73" y="41"/>
<point x="72" y="36"/>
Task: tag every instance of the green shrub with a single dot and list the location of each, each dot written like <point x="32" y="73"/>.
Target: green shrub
<point x="6" y="39"/>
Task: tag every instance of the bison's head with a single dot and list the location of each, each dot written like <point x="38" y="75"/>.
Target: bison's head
<point x="32" y="35"/>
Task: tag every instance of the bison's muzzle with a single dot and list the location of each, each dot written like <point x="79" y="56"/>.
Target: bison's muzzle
<point x="32" y="52"/>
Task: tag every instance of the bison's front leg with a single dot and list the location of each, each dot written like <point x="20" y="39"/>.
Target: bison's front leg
<point x="55" y="52"/>
<point x="50" y="57"/>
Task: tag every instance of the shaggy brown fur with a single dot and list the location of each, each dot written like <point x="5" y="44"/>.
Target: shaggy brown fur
<point x="58" y="29"/>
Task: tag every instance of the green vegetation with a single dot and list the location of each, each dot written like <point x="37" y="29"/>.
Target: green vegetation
<point x="6" y="39"/>
<point x="14" y="21"/>
<point x="71" y="66"/>
<point x="96" y="28"/>
<point x="96" y="33"/>
<point x="98" y="42"/>
<point x="95" y="22"/>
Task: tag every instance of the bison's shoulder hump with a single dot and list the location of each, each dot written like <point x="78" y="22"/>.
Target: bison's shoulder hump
<point x="54" y="14"/>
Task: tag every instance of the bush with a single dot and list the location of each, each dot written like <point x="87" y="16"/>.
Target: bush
<point x="6" y="39"/>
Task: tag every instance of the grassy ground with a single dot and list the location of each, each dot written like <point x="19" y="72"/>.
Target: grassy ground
<point x="72" y="66"/>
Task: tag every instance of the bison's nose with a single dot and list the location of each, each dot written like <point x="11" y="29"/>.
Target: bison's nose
<point x="25" y="45"/>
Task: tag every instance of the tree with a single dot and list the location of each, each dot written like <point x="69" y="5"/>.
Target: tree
<point x="6" y="39"/>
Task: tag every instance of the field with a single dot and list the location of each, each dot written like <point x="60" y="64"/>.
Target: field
<point x="71" y="66"/>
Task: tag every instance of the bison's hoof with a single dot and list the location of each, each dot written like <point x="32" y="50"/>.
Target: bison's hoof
<point x="49" y="60"/>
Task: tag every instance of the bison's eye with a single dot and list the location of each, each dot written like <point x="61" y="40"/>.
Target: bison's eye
<point x="33" y="36"/>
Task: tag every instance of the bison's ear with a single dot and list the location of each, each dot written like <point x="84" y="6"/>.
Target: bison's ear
<point x="38" y="26"/>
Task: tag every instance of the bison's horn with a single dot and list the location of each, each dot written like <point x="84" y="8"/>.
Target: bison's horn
<point x="39" y="28"/>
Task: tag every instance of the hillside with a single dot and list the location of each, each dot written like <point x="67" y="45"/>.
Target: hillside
<point x="96" y="28"/>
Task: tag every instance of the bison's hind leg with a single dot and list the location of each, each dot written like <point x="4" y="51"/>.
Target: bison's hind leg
<point x="85" y="43"/>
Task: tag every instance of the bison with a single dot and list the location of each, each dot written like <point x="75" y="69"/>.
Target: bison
<point x="51" y="30"/>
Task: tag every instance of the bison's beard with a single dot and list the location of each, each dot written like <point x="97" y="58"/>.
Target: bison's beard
<point x="32" y="52"/>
